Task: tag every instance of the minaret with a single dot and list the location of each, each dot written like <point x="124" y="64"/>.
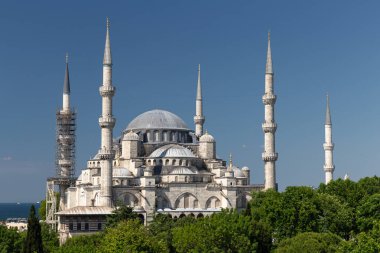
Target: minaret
<point x="65" y="137"/>
<point x="107" y="123"/>
<point x="328" y="146"/>
<point x="66" y="88"/>
<point x="269" y="155"/>
<point x="199" y="119"/>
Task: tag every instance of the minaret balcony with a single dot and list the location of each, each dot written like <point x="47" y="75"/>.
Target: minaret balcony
<point x="269" y="127"/>
<point x="107" y="122"/>
<point x="269" y="156"/>
<point x="65" y="163"/>
<point x="106" y="154"/>
<point x="107" y="91"/>
<point x="328" y="146"/>
<point x="199" y="120"/>
<point x="329" y="168"/>
<point x="269" y="99"/>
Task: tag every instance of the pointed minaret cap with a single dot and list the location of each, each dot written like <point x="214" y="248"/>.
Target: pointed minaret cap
<point x="199" y="86"/>
<point x="269" y="67"/>
<point x="230" y="165"/>
<point x="328" y="116"/>
<point x="107" y="60"/>
<point x="66" y="83"/>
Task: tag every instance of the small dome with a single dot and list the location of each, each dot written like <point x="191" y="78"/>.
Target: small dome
<point x="245" y="168"/>
<point x="207" y="138"/>
<point x="171" y="150"/>
<point x="237" y="172"/>
<point x="121" y="172"/>
<point x="182" y="171"/>
<point x="131" y="136"/>
<point x="157" y="119"/>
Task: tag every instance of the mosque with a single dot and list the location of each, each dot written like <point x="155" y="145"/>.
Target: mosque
<point x="158" y="164"/>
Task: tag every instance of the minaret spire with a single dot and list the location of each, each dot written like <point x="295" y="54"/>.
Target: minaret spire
<point x="328" y="116"/>
<point x="66" y="87"/>
<point x="107" y="123"/>
<point x="269" y="126"/>
<point x="269" y="67"/>
<point x="328" y="146"/>
<point x="107" y="59"/>
<point x="199" y="119"/>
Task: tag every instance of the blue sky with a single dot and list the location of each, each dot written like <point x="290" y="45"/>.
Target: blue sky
<point x="317" y="47"/>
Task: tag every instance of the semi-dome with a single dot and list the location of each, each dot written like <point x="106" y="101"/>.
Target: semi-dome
<point x="157" y="119"/>
<point x="171" y="150"/>
<point x="237" y="172"/>
<point x="207" y="138"/>
<point x="131" y="136"/>
<point x="182" y="171"/>
<point x="121" y="172"/>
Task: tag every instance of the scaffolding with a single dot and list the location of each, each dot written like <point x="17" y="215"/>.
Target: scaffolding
<point x="65" y="166"/>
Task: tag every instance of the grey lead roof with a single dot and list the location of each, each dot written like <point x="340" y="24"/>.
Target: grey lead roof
<point x="157" y="119"/>
<point x="107" y="60"/>
<point x="199" y="86"/>
<point x="328" y="115"/>
<point x="171" y="150"/>
<point x="269" y="67"/>
<point x="66" y="83"/>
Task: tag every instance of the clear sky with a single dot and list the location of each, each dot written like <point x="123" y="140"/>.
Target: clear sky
<point x="317" y="47"/>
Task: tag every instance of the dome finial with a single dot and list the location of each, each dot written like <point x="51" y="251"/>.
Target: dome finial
<point x="67" y="58"/>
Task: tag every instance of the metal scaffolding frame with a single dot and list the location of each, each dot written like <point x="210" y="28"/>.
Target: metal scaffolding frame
<point x="65" y="165"/>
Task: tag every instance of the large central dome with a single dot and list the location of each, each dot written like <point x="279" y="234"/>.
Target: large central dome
<point x="157" y="119"/>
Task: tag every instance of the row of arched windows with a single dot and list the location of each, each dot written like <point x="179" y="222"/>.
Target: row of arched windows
<point x="168" y="162"/>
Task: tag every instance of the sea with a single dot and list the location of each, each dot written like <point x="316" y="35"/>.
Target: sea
<point x="16" y="210"/>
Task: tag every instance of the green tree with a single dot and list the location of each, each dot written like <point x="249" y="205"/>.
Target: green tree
<point x="49" y="238"/>
<point x="121" y="213"/>
<point x="81" y="244"/>
<point x="227" y="231"/>
<point x="368" y="212"/>
<point x="300" y="211"/>
<point x="33" y="240"/>
<point x="161" y="227"/>
<point x="130" y="236"/>
<point x="335" y="217"/>
<point x="364" y="242"/>
<point x="346" y="190"/>
<point x="310" y="242"/>
<point x="370" y="185"/>
<point x="10" y="240"/>
<point x="42" y="210"/>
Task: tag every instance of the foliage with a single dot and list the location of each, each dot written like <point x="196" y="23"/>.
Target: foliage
<point x="49" y="238"/>
<point x="10" y="240"/>
<point x="368" y="212"/>
<point x="301" y="209"/>
<point x="121" y="213"/>
<point x="81" y="244"/>
<point x="346" y="190"/>
<point x="335" y="217"/>
<point x="42" y="210"/>
<point x="224" y="232"/>
<point x="130" y="236"/>
<point x="342" y="216"/>
<point x="364" y="242"/>
<point x="33" y="240"/>
<point x="161" y="227"/>
<point x="310" y="242"/>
